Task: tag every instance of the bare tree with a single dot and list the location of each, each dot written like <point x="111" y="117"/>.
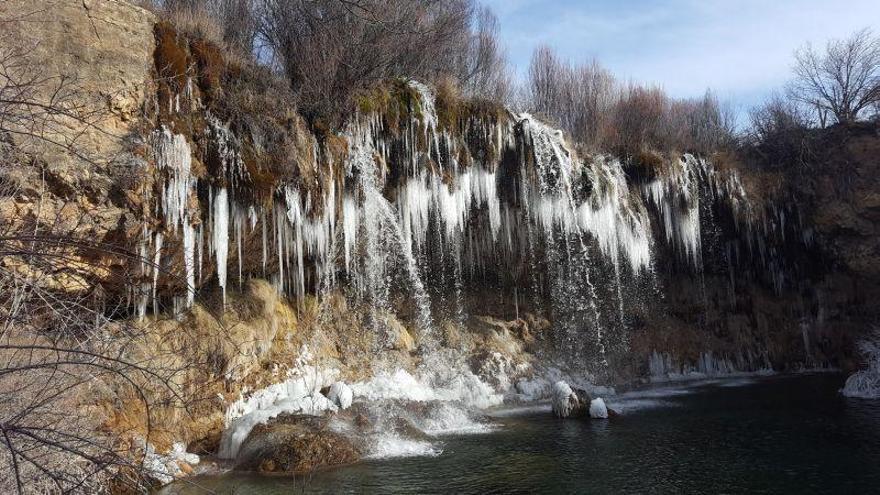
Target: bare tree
<point x="843" y="80"/>
<point x="484" y="72"/>
<point x="586" y="101"/>
<point x="544" y="92"/>
<point x="330" y="48"/>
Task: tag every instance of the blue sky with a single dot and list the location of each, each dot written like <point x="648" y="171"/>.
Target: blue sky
<point x="741" y="49"/>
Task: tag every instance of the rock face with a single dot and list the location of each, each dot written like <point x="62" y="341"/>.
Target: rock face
<point x="111" y="49"/>
<point x="294" y="445"/>
<point x="105" y="48"/>
<point x="846" y="211"/>
<point x="93" y="58"/>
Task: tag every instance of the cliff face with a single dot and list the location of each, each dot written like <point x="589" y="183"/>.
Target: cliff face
<point x="84" y="75"/>
<point x="809" y="297"/>
<point x="845" y="198"/>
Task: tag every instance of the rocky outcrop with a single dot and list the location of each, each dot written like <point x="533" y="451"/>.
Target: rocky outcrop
<point x="294" y="445"/>
<point x="570" y="402"/>
<point x="845" y="210"/>
<point x="103" y="50"/>
<point x="87" y="67"/>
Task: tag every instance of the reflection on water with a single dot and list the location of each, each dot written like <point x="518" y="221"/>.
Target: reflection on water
<point x="767" y="435"/>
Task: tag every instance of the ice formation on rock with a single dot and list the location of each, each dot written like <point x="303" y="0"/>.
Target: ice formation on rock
<point x="164" y="468"/>
<point x="300" y="393"/>
<point x="564" y="400"/>
<point x="598" y="410"/>
<point x="663" y="367"/>
<point x="418" y="211"/>
<point x="865" y="383"/>
<point x="341" y="395"/>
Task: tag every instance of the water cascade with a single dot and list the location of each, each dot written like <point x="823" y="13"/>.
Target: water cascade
<point x="421" y="211"/>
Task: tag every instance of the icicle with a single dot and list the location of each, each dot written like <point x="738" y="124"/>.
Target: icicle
<point x="173" y="155"/>
<point x="157" y="259"/>
<point x="189" y="263"/>
<point x="220" y="226"/>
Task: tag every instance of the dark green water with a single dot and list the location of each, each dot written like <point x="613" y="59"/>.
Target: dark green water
<point x="768" y="435"/>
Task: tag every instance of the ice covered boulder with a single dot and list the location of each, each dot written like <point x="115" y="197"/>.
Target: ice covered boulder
<point x="864" y="384"/>
<point x="165" y="468"/>
<point x="569" y="402"/>
<point x="598" y="409"/>
<point x="341" y="395"/>
<point x="239" y="429"/>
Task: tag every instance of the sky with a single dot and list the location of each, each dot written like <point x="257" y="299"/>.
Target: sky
<point x="742" y="50"/>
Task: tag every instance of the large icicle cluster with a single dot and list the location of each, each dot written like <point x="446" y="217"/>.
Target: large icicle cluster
<point x="173" y="158"/>
<point x="679" y="194"/>
<point x="404" y="214"/>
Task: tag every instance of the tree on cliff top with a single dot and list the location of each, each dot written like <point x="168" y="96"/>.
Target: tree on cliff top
<point x="330" y="48"/>
<point x="844" y="80"/>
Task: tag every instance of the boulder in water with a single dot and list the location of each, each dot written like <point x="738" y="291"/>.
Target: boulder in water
<point x="569" y="402"/>
<point x="863" y="384"/>
<point x="294" y="444"/>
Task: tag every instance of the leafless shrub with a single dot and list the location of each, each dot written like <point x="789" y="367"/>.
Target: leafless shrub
<point x="778" y="132"/>
<point x="232" y="23"/>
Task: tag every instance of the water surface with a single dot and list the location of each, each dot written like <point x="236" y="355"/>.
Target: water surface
<point x="767" y="435"/>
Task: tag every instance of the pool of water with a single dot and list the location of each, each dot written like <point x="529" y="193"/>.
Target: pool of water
<point x="769" y="435"/>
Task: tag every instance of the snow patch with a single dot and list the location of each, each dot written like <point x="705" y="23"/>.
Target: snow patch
<point x="598" y="409"/>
